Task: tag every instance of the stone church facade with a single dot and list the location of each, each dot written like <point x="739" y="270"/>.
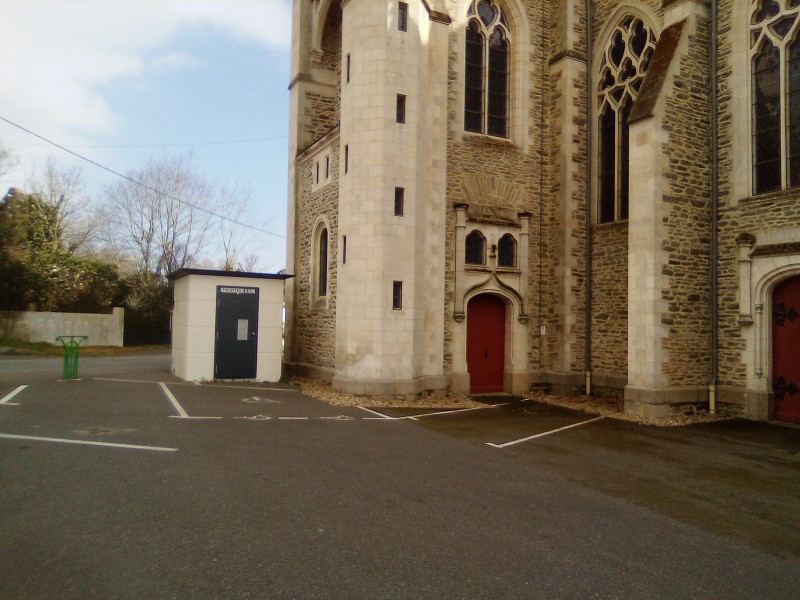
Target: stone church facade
<point x="496" y="195"/>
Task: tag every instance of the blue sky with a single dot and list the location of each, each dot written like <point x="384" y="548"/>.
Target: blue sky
<point x="102" y="76"/>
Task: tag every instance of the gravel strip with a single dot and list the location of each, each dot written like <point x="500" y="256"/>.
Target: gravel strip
<point x="595" y="405"/>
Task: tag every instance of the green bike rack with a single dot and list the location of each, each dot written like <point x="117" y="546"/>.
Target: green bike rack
<point x="72" y="344"/>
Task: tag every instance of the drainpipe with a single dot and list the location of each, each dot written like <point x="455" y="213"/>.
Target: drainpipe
<point x="542" y="122"/>
<point x="588" y="259"/>
<point x="712" y="388"/>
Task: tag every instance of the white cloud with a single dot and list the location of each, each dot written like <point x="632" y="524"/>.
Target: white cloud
<point x="174" y="61"/>
<point x="60" y="54"/>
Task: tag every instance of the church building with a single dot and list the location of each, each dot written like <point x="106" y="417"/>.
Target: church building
<point x="588" y="196"/>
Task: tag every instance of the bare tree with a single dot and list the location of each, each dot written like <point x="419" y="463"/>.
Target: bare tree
<point x="235" y="205"/>
<point x="7" y="160"/>
<point x="63" y="190"/>
<point x="162" y="217"/>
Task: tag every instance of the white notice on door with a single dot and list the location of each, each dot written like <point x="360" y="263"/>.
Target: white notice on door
<point x="241" y="333"/>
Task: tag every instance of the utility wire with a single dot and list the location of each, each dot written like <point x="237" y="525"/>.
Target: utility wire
<point x="181" y="145"/>
<point x="139" y="183"/>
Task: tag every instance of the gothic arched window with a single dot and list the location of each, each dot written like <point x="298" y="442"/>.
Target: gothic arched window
<point x="775" y="55"/>
<point x="486" y="70"/>
<point x="475" y="249"/>
<point x="321" y="266"/>
<point x="507" y="251"/>
<point x="623" y="66"/>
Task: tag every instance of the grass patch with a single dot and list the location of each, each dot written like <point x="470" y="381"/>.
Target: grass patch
<point x="20" y="348"/>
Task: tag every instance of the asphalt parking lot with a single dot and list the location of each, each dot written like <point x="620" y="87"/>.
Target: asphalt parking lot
<point x="132" y="484"/>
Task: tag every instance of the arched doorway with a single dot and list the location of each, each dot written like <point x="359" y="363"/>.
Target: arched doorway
<point x="486" y="343"/>
<point x="786" y="350"/>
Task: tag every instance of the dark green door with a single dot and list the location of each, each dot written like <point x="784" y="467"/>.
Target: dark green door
<point x="236" y="346"/>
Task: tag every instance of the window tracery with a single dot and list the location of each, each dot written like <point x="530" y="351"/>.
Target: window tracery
<point x="487" y="70"/>
<point x="622" y="69"/>
<point x="775" y="56"/>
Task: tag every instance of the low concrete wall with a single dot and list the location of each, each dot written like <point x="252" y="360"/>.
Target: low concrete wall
<point x="103" y="330"/>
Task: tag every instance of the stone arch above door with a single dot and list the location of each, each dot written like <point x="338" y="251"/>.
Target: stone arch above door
<point x="766" y="260"/>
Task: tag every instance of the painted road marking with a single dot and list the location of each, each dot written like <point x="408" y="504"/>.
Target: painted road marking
<point x="34" y="438"/>
<point x="381" y="416"/>
<point x="543" y="434"/>
<point x="450" y="412"/>
<point x="260" y="400"/>
<point x="195" y="383"/>
<point x="9" y="396"/>
<point x="175" y="404"/>
<point x="293" y="418"/>
<point x="182" y="414"/>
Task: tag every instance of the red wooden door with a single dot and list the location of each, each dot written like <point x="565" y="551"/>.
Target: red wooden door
<point x="486" y="325"/>
<point x="786" y="350"/>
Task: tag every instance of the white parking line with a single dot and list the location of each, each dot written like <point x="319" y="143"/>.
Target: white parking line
<point x="196" y="383"/>
<point x="381" y="416"/>
<point x="8" y="397"/>
<point x="543" y="434"/>
<point x="451" y="412"/>
<point x="176" y="405"/>
<point x="35" y="438"/>
<point x="182" y="414"/>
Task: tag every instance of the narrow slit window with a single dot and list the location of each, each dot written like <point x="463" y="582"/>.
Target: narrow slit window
<point x="399" y="200"/>
<point x="322" y="281"/>
<point x="344" y="249"/>
<point x="347" y="70"/>
<point x="402" y="16"/>
<point x="397" y="295"/>
<point x="327" y="167"/>
<point x="346" y="158"/>
<point x="401" y="108"/>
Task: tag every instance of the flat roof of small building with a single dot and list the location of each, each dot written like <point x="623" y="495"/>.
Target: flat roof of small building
<point x="180" y="273"/>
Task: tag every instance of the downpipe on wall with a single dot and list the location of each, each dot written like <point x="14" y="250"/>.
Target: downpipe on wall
<point x="712" y="388"/>
<point x="588" y="313"/>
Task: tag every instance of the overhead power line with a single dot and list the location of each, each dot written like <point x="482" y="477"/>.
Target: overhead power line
<point x="169" y="145"/>
<point x="139" y="183"/>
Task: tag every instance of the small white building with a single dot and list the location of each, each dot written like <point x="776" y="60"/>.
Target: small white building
<point x="227" y="325"/>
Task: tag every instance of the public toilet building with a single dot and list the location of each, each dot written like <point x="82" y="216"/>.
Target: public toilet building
<point x="227" y="325"/>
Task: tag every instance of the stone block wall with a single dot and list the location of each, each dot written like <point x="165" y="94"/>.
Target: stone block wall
<point x="688" y="227"/>
<point x="610" y="300"/>
<point x="515" y="166"/>
<point x="314" y="322"/>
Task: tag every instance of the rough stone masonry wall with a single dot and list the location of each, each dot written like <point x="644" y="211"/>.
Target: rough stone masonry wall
<point x="731" y="344"/>
<point x="322" y="110"/>
<point x="688" y="226"/>
<point x="610" y="300"/>
<point x="473" y="154"/>
<point x="315" y="327"/>
<point x="563" y="228"/>
<point x="738" y="215"/>
<point x="321" y="114"/>
<point x="609" y="341"/>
